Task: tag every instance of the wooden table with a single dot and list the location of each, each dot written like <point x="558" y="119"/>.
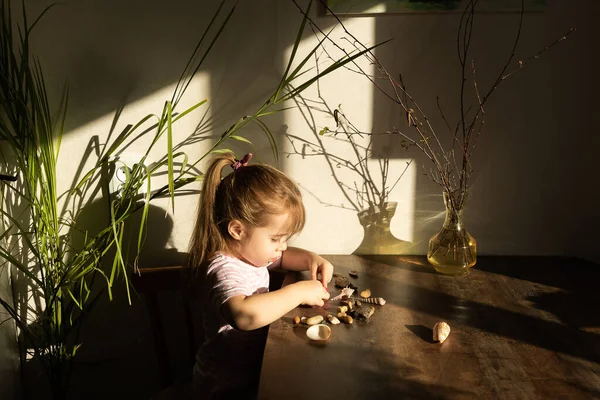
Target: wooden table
<point x="522" y="328"/>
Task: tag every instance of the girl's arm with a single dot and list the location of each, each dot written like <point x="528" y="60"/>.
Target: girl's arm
<point x="296" y="259"/>
<point x="252" y="312"/>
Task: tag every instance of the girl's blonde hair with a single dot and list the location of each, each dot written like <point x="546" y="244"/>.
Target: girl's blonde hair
<point x="251" y="194"/>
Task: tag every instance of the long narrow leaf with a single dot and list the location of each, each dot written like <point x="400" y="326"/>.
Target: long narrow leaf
<point x="189" y="110"/>
<point x="338" y="64"/>
<point x="144" y="221"/>
<point x="282" y="84"/>
<point x="170" y="154"/>
<point x="178" y="90"/>
<point x="20" y="266"/>
<point x="270" y="137"/>
<point x="217" y="35"/>
<point x="21" y="229"/>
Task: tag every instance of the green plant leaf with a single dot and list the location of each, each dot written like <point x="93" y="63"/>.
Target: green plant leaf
<point x="270" y="137"/>
<point x="240" y="138"/>
<point x="189" y="110"/>
<point x="221" y="151"/>
<point x="144" y="221"/>
<point x="170" y="154"/>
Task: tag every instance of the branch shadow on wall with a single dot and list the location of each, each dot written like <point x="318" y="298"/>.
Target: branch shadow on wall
<point x="365" y="183"/>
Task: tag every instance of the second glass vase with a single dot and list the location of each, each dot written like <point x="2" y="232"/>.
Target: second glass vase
<point x="452" y="250"/>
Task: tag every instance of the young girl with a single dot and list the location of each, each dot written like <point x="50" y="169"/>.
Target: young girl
<point x="244" y="222"/>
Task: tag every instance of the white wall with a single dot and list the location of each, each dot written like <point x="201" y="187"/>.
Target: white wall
<point x="531" y="187"/>
<point x="531" y="191"/>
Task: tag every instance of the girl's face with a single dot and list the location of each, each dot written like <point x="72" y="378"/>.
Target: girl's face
<point x="261" y="246"/>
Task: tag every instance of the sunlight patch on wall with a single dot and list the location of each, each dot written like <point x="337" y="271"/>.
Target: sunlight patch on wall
<point x="78" y="154"/>
<point x="330" y="167"/>
<point x="167" y="232"/>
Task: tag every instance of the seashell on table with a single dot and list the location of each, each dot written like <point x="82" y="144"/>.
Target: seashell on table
<point x="441" y="330"/>
<point x="375" y="300"/>
<point x="345" y="292"/>
<point x="318" y="332"/>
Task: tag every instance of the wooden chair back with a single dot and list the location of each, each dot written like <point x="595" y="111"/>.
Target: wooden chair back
<point x="151" y="282"/>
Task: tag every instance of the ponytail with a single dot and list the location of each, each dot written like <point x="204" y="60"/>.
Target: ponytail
<point x="207" y="239"/>
<point x="252" y="194"/>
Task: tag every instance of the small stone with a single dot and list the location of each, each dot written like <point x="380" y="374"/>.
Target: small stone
<point x="353" y="274"/>
<point x="365" y="312"/>
<point x="341" y="281"/>
<point x="317" y="319"/>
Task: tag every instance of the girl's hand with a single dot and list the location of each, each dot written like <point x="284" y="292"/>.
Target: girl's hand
<point x="311" y="292"/>
<point x="319" y="265"/>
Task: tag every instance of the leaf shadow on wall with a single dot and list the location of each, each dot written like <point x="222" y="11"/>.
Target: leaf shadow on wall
<point x="116" y="336"/>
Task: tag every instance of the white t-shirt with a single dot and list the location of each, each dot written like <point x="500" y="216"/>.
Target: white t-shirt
<point x="229" y="358"/>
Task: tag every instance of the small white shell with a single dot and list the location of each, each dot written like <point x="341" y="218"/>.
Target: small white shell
<point x="318" y="332"/>
<point x="441" y="330"/>
<point x="345" y="292"/>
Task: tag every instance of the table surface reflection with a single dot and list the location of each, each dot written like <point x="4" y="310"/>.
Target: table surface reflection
<point x="521" y="328"/>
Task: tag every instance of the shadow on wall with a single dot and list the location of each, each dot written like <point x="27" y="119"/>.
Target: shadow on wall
<point x="158" y="247"/>
<point x="117" y="353"/>
<point x="523" y="150"/>
<point x="117" y="335"/>
<point x="366" y="183"/>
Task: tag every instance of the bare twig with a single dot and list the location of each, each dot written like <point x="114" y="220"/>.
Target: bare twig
<point x="445" y="170"/>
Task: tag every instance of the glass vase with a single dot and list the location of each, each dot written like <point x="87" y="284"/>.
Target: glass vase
<point x="452" y="250"/>
<point x="378" y="239"/>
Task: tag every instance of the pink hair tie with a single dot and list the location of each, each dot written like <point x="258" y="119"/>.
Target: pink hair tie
<point x="241" y="163"/>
